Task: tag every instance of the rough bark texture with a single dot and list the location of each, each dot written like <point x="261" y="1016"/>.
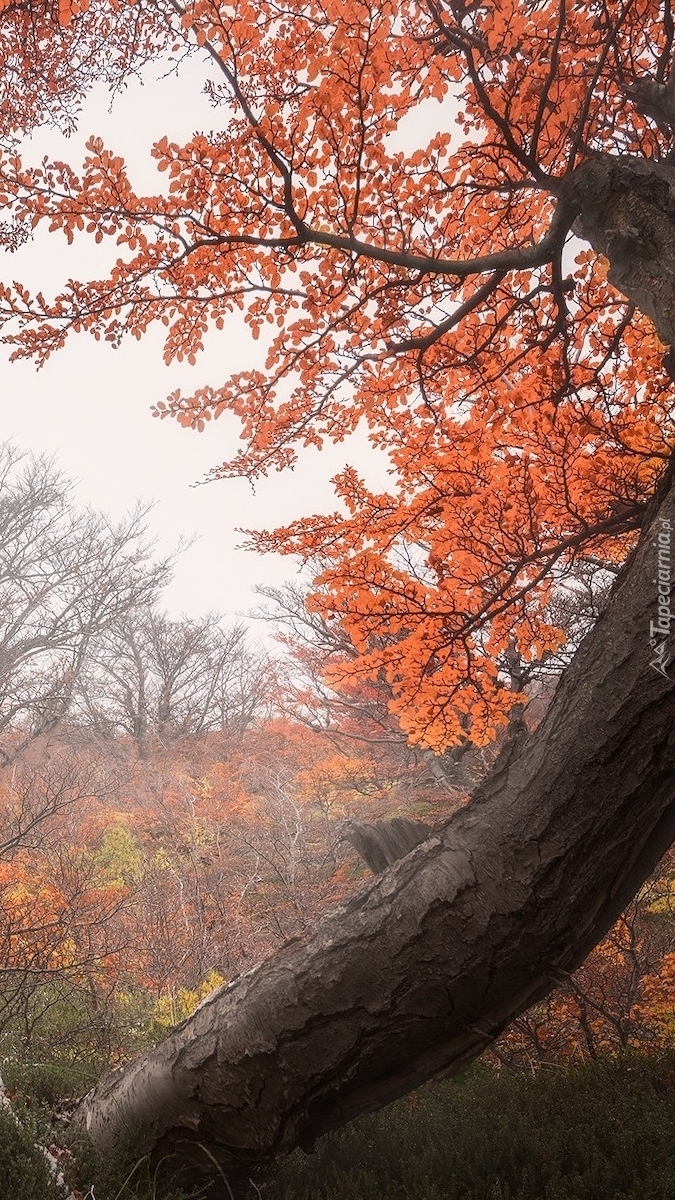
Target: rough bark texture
<point x="419" y="972"/>
<point x="626" y="211"/>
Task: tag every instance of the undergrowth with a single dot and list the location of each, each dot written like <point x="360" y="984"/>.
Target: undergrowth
<point x="597" y="1131"/>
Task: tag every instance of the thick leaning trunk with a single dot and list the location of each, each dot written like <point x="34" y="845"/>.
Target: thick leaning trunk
<point x="421" y="970"/>
<point x="424" y="967"/>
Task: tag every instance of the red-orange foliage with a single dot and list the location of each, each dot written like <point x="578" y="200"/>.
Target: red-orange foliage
<point x="245" y="848"/>
<point x="199" y="861"/>
<point x="387" y="204"/>
<point x="67" y="926"/>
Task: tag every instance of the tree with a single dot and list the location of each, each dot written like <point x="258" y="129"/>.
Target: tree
<point x="52" y="60"/>
<point x="349" y="708"/>
<point x="421" y="970"/>
<point x="62" y="920"/>
<point x="154" y="678"/>
<point x="621" y="996"/>
<point x="436" y="282"/>
<point x="66" y="576"/>
<point x="520" y="385"/>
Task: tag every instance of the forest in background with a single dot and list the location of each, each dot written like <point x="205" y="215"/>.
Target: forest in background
<point x="171" y="809"/>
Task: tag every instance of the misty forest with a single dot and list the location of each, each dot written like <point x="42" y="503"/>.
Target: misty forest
<point x="369" y="893"/>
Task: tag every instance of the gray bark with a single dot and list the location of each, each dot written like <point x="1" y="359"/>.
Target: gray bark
<point x="384" y="842"/>
<point x="626" y="209"/>
<point x="426" y="965"/>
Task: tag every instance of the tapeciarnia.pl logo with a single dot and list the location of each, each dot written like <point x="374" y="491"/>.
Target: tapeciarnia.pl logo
<point x="659" y="630"/>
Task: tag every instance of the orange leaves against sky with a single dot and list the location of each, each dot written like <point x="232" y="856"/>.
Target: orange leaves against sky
<point x="385" y="198"/>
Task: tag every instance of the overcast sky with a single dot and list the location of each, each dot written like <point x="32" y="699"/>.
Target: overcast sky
<point x="89" y="406"/>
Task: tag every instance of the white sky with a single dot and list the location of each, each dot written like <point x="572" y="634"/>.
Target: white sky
<point x="89" y="406"/>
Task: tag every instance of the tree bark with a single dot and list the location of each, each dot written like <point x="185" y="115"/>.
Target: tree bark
<point x="425" y="966"/>
<point x="626" y="209"/>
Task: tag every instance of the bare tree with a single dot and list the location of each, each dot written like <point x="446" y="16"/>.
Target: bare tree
<point x="41" y="787"/>
<point x="67" y="574"/>
<point x="152" y="677"/>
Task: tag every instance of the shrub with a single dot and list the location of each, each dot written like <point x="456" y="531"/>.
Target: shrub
<point x="599" y="1131"/>
<point x="24" y="1173"/>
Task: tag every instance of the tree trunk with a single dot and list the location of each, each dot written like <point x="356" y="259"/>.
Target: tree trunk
<point x="627" y="212"/>
<point x="423" y="968"/>
<point x="417" y="974"/>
